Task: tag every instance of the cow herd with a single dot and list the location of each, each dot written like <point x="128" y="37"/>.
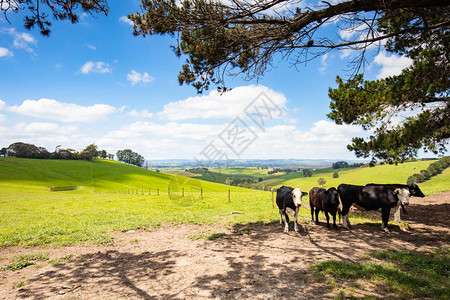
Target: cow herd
<point x="332" y="201"/>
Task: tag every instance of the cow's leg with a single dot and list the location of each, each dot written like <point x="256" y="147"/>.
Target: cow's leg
<point x="312" y="212"/>
<point x="317" y="215"/>
<point x="385" y="218"/>
<point x="345" y="213"/>
<point x="295" y="219"/>
<point x="328" y="220"/>
<point x="334" y="220"/>
<point x="281" y="216"/>
<point x="286" y="222"/>
<point x="397" y="212"/>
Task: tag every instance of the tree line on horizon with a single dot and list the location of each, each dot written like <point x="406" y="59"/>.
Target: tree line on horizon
<point x="25" y="150"/>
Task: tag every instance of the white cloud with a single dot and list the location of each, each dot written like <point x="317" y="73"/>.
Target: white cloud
<point x="63" y="112"/>
<point x="21" y="40"/>
<point x="5" y="52"/>
<point x="324" y="139"/>
<point x="171" y="130"/>
<point x="38" y="129"/>
<point x="90" y="47"/>
<point x="2" y="118"/>
<point x="140" y="114"/>
<point x="136" y="77"/>
<point x="2" y="105"/>
<point x="95" y="67"/>
<point x="324" y="63"/>
<point x="216" y="105"/>
<point x="125" y="20"/>
<point x="391" y="65"/>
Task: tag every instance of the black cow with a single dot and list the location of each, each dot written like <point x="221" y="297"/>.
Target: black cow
<point x="288" y="197"/>
<point x="371" y="198"/>
<point x="325" y="200"/>
<point x="414" y="190"/>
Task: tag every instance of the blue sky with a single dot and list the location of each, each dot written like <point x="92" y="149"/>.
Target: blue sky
<point x="94" y="82"/>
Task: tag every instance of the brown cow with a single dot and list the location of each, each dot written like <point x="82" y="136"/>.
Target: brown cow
<point x="325" y="200"/>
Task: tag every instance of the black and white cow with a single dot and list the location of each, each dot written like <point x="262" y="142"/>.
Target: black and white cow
<point x="288" y="197"/>
<point x="414" y="190"/>
<point x="371" y="198"/>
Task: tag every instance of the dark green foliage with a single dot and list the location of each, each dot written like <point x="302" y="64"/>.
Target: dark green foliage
<point x="340" y="165"/>
<point x="335" y="174"/>
<point x="130" y="157"/>
<point x="307" y="173"/>
<point x="283" y="170"/>
<point x="230" y="38"/>
<point x="39" y="13"/>
<point x="432" y="170"/>
<point x="422" y="90"/>
<point x="90" y="152"/>
<point x="24" y="150"/>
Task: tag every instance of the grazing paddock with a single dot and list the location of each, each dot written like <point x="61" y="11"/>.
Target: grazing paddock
<point x="180" y="261"/>
<point x="90" y="244"/>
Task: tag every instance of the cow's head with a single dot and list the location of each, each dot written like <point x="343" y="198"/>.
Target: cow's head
<point x="402" y="195"/>
<point x="297" y="196"/>
<point x="333" y="194"/>
<point x="415" y="191"/>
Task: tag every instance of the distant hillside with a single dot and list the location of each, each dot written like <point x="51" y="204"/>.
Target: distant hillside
<point x="271" y="163"/>
<point x="362" y="176"/>
<point x="98" y="175"/>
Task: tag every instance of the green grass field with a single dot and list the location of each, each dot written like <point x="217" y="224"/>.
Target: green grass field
<point x="378" y="174"/>
<point x="32" y="215"/>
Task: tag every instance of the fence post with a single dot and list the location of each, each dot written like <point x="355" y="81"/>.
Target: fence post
<point x="137" y="191"/>
<point x="142" y="190"/>
<point x="149" y="191"/>
<point x="182" y="192"/>
<point x="168" y="191"/>
<point x="229" y="197"/>
<point x="272" y="198"/>
<point x="201" y="193"/>
<point x="157" y="191"/>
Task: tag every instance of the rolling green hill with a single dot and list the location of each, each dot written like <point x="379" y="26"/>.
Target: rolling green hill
<point x="98" y="175"/>
<point x="378" y="174"/>
<point x="30" y="214"/>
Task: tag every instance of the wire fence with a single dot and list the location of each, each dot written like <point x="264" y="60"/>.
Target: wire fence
<point x="189" y="192"/>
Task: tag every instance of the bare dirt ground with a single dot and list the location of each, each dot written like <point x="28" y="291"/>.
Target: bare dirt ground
<point x="169" y="263"/>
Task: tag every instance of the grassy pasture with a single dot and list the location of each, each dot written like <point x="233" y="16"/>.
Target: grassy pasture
<point x="404" y="274"/>
<point x="32" y="215"/>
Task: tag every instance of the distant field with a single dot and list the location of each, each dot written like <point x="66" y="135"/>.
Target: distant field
<point x="378" y="174"/>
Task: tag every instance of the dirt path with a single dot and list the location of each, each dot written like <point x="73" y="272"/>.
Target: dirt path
<point x="169" y="263"/>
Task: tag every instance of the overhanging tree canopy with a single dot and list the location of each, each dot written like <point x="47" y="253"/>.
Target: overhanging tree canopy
<point x="241" y="37"/>
<point x="40" y="12"/>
